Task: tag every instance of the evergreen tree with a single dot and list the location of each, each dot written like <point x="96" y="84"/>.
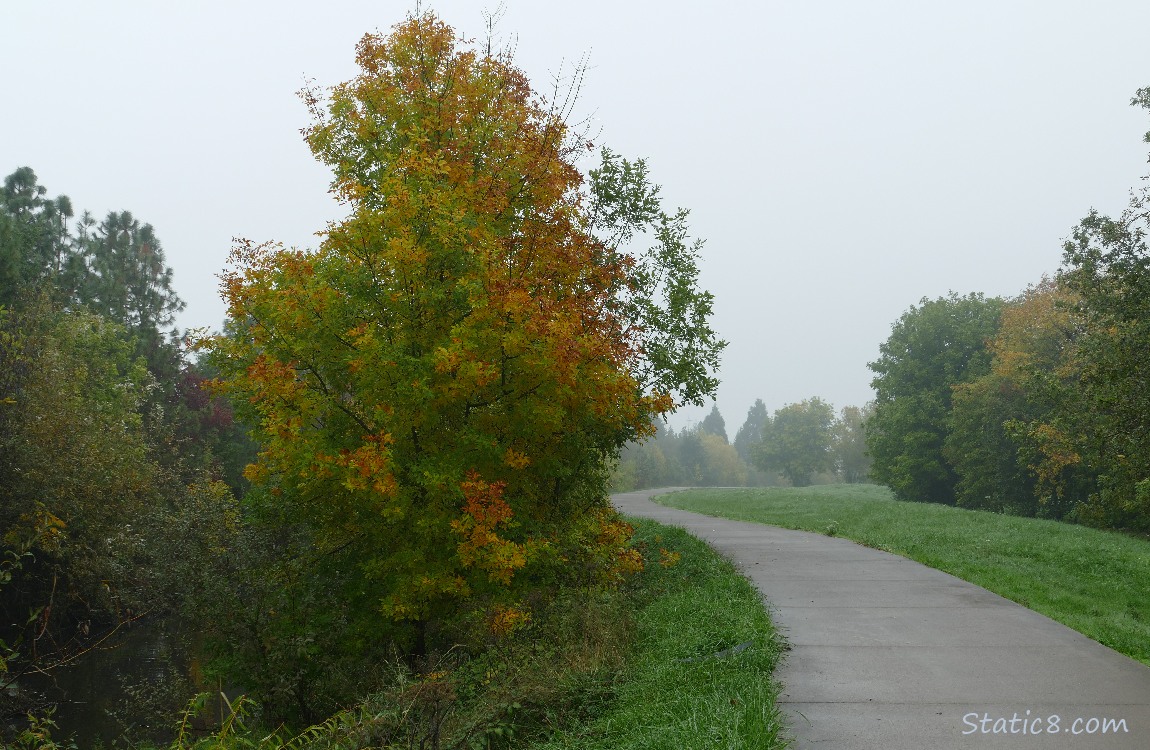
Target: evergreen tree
<point x="35" y="246"/>
<point x="713" y="424"/>
<point x="751" y="433"/>
<point x="127" y="280"/>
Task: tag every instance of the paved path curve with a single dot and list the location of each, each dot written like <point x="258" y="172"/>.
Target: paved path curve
<point x="889" y="654"/>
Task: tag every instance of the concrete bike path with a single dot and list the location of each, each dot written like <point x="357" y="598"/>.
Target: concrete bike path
<point x="888" y="654"/>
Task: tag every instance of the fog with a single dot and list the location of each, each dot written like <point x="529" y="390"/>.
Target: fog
<point x="841" y="159"/>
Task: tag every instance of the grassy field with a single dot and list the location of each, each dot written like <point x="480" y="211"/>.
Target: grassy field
<point x="1096" y="582"/>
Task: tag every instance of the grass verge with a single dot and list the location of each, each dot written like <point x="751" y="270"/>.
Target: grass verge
<point x="1090" y="580"/>
<point x="675" y="692"/>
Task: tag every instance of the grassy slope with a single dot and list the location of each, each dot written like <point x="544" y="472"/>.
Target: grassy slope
<point x="1096" y="582"/>
<point x="694" y="608"/>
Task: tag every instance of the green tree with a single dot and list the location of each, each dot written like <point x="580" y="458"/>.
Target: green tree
<point x="1107" y="264"/>
<point x="750" y="433"/>
<point x="90" y="505"/>
<point x="127" y="280"/>
<point x="983" y="450"/>
<point x="706" y="460"/>
<point x="77" y="488"/>
<point x="932" y="348"/>
<point x="1010" y="427"/>
<point x="442" y="386"/>
<point x="713" y="424"/>
<point x="35" y="245"/>
<point x="650" y="463"/>
<point x="116" y="268"/>
<point x="692" y="456"/>
<point x="797" y="441"/>
<point x="643" y="465"/>
<point x="848" y="443"/>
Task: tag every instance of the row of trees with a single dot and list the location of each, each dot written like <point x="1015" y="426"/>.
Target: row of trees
<point x="1037" y="405"/>
<point x="801" y="443"/>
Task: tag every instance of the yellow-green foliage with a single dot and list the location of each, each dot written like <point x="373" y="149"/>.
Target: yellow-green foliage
<point x="438" y="389"/>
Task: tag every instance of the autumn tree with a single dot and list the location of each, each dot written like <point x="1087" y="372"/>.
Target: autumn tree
<point x="442" y="386"/>
<point x="1057" y="427"/>
<point x="1009" y="439"/>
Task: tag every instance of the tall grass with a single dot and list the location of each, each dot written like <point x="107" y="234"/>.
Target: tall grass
<point x="676" y="692"/>
<point x="1096" y="582"/>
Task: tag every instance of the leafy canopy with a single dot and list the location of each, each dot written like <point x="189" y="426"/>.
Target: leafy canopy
<point x="1106" y="263"/>
<point x="441" y="386"/>
<point x="797" y="442"/>
<point x="933" y="347"/>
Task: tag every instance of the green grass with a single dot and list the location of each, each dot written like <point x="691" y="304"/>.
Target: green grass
<point x="1096" y="582"/>
<point x="689" y="611"/>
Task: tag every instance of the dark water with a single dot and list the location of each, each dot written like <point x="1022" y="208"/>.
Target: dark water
<point x="131" y="683"/>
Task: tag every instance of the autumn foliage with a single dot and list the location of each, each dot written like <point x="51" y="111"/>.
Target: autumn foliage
<point x="441" y="386"/>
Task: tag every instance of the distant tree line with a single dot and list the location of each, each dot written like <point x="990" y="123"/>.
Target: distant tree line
<point x="800" y="444"/>
<point x="1037" y="405"/>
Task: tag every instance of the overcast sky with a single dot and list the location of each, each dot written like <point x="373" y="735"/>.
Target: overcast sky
<point x="841" y="159"/>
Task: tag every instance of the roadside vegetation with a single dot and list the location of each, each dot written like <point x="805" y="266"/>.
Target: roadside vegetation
<point x="1091" y="580"/>
<point x="681" y="656"/>
<point x="689" y="683"/>
<point x="387" y="475"/>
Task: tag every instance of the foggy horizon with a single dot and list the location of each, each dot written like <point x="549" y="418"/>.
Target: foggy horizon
<point x="842" y="161"/>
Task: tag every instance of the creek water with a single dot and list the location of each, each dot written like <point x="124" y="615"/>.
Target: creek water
<point x="111" y="687"/>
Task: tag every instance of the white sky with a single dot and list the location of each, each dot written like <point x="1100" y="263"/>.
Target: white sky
<point x="842" y="159"/>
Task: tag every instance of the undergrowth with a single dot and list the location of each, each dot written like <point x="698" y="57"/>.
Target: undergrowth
<point x="679" y="657"/>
